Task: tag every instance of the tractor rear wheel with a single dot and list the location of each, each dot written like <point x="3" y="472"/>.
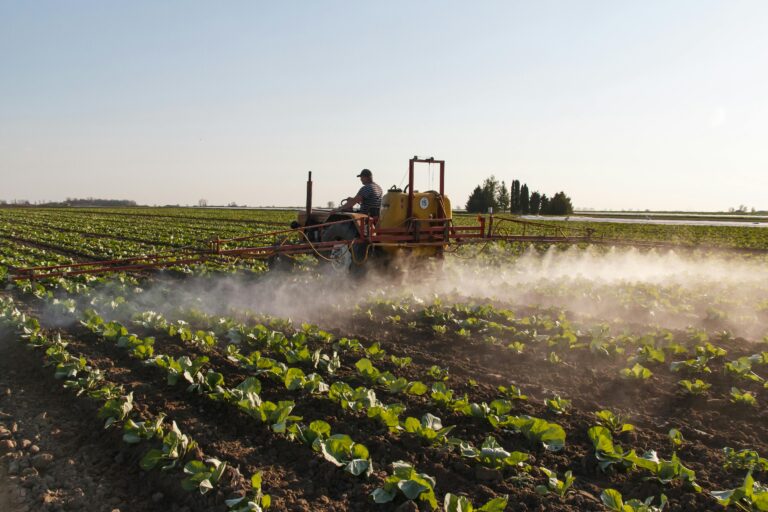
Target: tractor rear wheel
<point x="341" y="259"/>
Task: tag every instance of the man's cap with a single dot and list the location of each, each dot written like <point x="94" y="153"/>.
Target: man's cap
<point x="365" y="172"/>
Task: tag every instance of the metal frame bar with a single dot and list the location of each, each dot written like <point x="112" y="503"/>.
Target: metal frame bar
<point x="411" y="166"/>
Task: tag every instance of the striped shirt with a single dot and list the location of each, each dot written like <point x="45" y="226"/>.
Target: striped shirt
<point x="371" y="194"/>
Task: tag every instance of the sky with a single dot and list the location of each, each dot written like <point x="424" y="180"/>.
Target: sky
<point x="622" y="104"/>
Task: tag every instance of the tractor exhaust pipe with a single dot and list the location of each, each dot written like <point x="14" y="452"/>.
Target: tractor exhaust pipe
<point x="309" y="198"/>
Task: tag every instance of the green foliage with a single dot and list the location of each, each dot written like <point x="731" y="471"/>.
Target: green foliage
<point x="366" y="369"/>
<point x="342" y="451"/>
<point x="538" y="431"/>
<point x="84" y="379"/>
<point x="612" y="499"/>
<point x="745" y="398"/>
<point x="607" y="453"/>
<point x="554" y="485"/>
<point x="710" y="351"/>
<point x="116" y="410"/>
<point x="416" y="388"/>
<point x="695" y="388"/>
<point x="554" y="358"/>
<point x="648" y="354"/>
<point x="751" y="496"/>
<point x="512" y="392"/>
<point x="455" y="503"/>
<point x="437" y="373"/>
<point x="637" y="372"/>
<point x="741" y="369"/>
<point x="491" y="454"/>
<point x="182" y="368"/>
<point x="176" y="446"/>
<point x="559" y="204"/>
<point x="357" y="399"/>
<point x="665" y="471"/>
<point x="315" y="432"/>
<point x="698" y="365"/>
<point x="613" y="422"/>
<point x="389" y="415"/>
<point x="406" y="480"/>
<point x="558" y="405"/>
<point x="140" y="348"/>
<point x="203" y="476"/>
<point x="400" y="362"/>
<point x="430" y="429"/>
<point x="676" y="438"/>
<point x="296" y="380"/>
<point x="135" y="432"/>
<point x="484" y="197"/>
<point x="254" y="501"/>
<point x="276" y="415"/>
<point x="744" y="460"/>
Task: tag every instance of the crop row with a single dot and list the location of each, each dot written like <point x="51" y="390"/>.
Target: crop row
<point x="338" y="448"/>
<point x="174" y="451"/>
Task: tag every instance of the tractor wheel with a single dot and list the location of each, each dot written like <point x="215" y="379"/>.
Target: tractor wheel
<point x="341" y="254"/>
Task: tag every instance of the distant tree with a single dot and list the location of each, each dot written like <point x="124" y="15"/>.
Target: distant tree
<point x="534" y="203"/>
<point x="502" y="197"/>
<point x="202" y="202"/>
<point x="3" y="202"/>
<point x="475" y="201"/>
<point x="560" y="204"/>
<point x="331" y="205"/>
<point x="514" y="200"/>
<point x="525" y="205"/>
<point x="544" y="205"/>
<point x="232" y="204"/>
<point x="484" y="197"/>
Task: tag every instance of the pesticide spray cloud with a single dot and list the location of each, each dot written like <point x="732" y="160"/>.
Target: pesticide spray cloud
<point x="644" y="288"/>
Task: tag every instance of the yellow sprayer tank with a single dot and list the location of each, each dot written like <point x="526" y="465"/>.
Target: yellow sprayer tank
<point x="426" y="205"/>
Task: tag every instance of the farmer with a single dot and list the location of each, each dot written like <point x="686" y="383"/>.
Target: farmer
<point x="368" y="197"/>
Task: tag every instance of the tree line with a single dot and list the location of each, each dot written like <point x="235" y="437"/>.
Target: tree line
<point x="517" y="199"/>
<point x="70" y="201"/>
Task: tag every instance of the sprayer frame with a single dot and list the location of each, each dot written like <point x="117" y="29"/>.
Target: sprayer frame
<point x="435" y="232"/>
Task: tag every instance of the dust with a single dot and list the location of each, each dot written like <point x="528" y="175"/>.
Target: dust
<point x="662" y="289"/>
<point x="649" y="288"/>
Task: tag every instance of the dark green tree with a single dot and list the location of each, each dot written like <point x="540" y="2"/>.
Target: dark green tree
<point x="524" y="200"/>
<point x="534" y="203"/>
<point x="484" y="197"/>
<point x="544" y="205"/>
<point x="502" y="197"/>
<point x="560" y="204"/>
<point x="474" y="203"/>
<point x="514" y="200"/>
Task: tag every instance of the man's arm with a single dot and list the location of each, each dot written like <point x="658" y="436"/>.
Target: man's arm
<point x="352" y="201"/>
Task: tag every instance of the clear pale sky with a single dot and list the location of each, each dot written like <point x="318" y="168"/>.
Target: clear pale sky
<point x="622" y="104"/>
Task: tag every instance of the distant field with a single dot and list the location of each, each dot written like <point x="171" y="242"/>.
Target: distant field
<point x="102" y="233"/>
<point x="735" y="217"/>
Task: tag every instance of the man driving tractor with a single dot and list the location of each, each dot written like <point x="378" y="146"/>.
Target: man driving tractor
<point x="368" y="197"/>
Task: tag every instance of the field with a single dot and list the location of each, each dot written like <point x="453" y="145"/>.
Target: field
<point x="506" y="378"/>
